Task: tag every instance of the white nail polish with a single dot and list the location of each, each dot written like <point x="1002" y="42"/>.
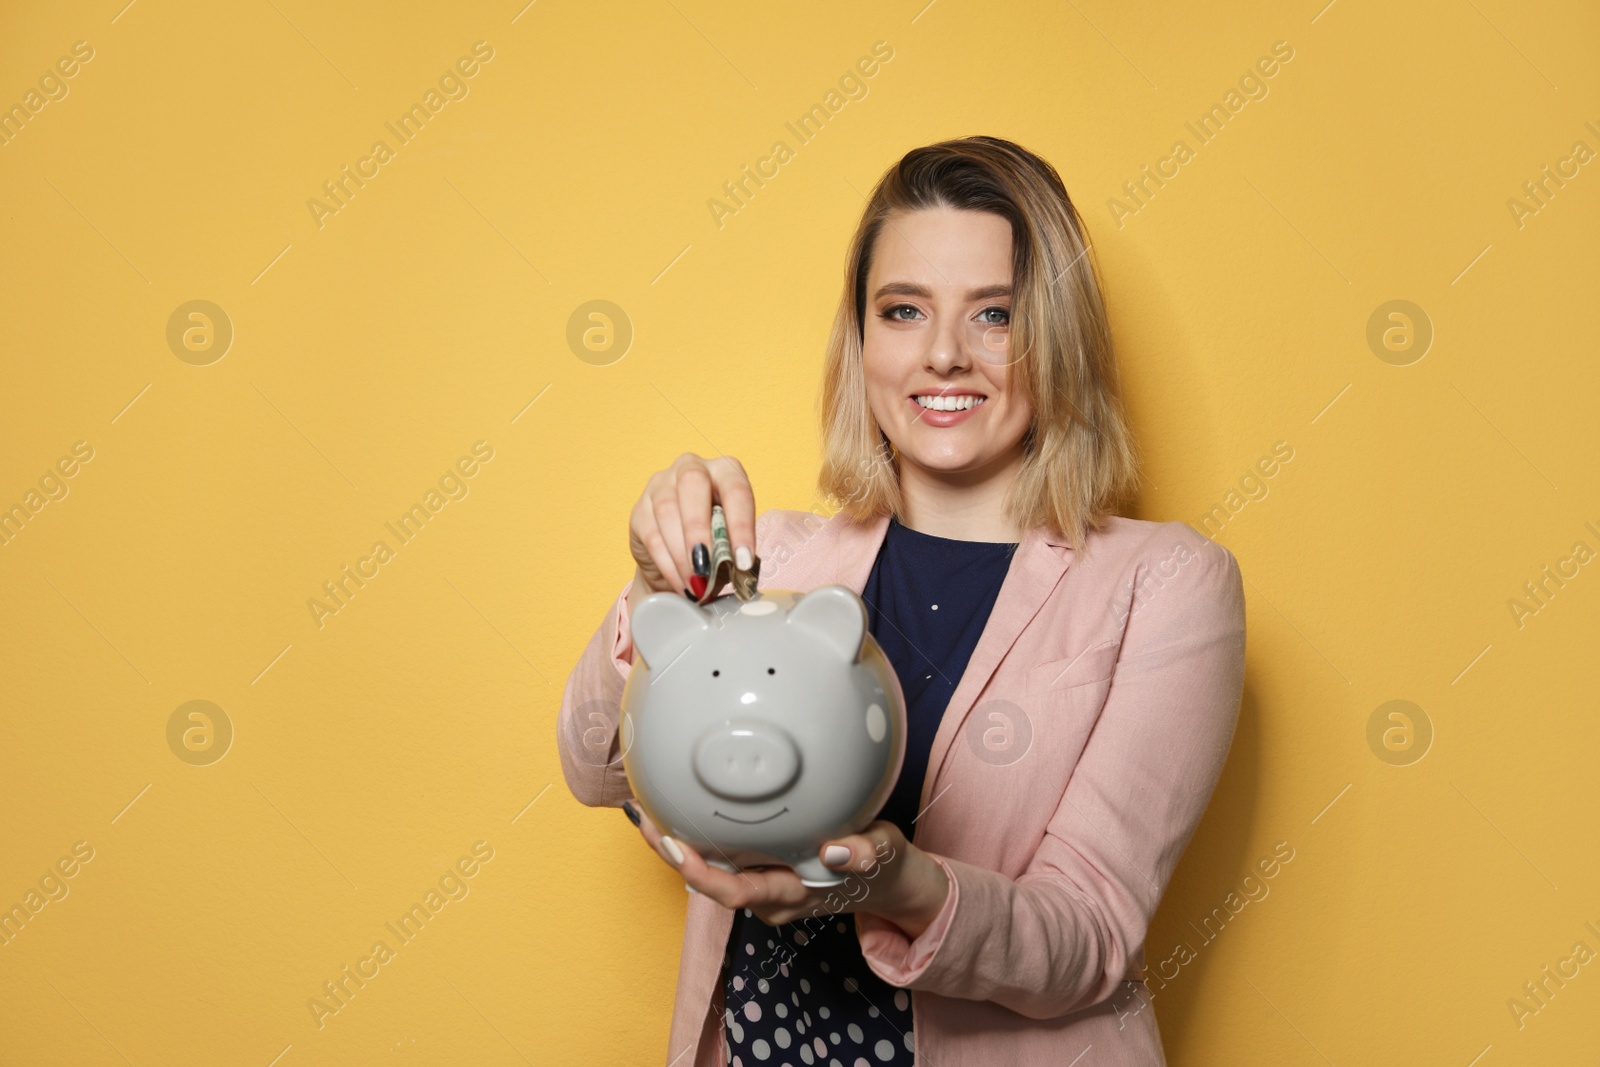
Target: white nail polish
<point x="741" y="558"/>
<point x="673" y="851"/>
<point x="690" y="888"/>
<point x="834" y="855"/>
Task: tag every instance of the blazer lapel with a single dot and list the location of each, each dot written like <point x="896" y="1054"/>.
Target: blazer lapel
<point x="856" y="550"/>
<point x="1036" y="569"/>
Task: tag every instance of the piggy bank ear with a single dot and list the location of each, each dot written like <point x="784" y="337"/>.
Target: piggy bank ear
<point x="835" y="616"/>
<point x="663" y="625"/>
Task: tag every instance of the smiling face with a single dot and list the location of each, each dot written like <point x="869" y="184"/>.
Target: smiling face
<point x="935" y="345"/>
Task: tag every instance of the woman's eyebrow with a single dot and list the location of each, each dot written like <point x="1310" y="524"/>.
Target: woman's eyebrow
<point x="913" y="289"/>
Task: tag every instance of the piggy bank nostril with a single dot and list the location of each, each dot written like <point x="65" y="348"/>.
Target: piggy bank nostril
<point x="746" y="760"/>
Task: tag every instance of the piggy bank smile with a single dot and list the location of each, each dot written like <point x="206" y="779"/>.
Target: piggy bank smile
<point x="750" y="822"/>
<point x="756" y="730"/>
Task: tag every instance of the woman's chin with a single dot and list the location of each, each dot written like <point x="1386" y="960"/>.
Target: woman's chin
<point x="949" y="462"/>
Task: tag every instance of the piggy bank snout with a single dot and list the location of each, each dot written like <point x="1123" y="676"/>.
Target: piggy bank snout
<point x="746" y="760"/>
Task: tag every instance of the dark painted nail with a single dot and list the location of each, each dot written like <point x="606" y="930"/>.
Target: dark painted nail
<point x="701" y="558"/>
<point x="691" y="596"/>
<point x="629" y="810"/>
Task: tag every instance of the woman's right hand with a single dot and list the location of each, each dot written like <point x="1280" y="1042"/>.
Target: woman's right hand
<point x="673" y="515"/>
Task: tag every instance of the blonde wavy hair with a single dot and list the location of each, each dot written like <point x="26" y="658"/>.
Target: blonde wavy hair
<point x="1080" y="456"/>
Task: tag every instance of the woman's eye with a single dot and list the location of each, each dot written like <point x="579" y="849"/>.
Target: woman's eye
<point x="1004" y="313"/>
<point x="893" y="313"/>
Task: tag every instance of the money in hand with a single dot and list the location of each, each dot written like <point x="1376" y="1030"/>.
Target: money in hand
<point x="723" y="569"/>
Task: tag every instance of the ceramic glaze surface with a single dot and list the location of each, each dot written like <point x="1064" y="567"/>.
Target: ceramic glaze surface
<point x="756" y="730"/>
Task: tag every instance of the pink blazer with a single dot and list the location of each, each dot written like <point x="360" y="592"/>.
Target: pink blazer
<point x="1069" y="771"/>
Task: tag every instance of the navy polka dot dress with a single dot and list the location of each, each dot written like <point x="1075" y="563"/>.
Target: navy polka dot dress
<point x="801" y="993"/>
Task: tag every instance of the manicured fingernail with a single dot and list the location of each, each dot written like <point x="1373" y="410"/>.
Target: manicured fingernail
<point x="673" y="851"/>
<point x="701" y="558"/>
<point x="698" y="584"/>
<point x="690" y="595"/>
<point x="834" y="855"/>
<point x="631" y="812"/>
<point x="741" y="558"/>
<point x="690" y="888"/>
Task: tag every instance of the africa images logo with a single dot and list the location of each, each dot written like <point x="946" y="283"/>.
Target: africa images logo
<point x="452" y="85"/>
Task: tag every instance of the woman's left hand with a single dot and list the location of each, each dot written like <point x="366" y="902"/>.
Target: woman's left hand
<point x="885" y="874"/>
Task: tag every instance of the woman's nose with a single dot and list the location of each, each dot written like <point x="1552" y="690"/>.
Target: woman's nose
<point x="947" y="349"/>
<point x="746" y="760"/>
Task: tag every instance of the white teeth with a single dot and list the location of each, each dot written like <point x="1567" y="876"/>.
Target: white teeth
<point x="949" y="403"/>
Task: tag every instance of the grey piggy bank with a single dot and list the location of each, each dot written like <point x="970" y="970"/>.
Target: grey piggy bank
<point x="756" y="730"/>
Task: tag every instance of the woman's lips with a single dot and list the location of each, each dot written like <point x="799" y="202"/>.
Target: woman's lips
<point x="942" y="418"/>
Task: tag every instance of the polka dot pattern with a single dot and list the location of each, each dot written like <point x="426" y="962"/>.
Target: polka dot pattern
<point x="810" y="968"/>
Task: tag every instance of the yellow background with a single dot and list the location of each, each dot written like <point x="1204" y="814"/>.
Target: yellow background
<point x="369" y="354"/>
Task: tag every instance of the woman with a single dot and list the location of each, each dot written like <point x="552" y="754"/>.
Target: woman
<point x="1072" y="676"/>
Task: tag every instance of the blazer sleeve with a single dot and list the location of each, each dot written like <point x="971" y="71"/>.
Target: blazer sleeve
<point x="591" y="712"/>
<point x="1062" y="935"/>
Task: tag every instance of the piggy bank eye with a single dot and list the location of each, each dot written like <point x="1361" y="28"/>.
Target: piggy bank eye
<point x="715" y="673"/>
<point x="772" y="670"/>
